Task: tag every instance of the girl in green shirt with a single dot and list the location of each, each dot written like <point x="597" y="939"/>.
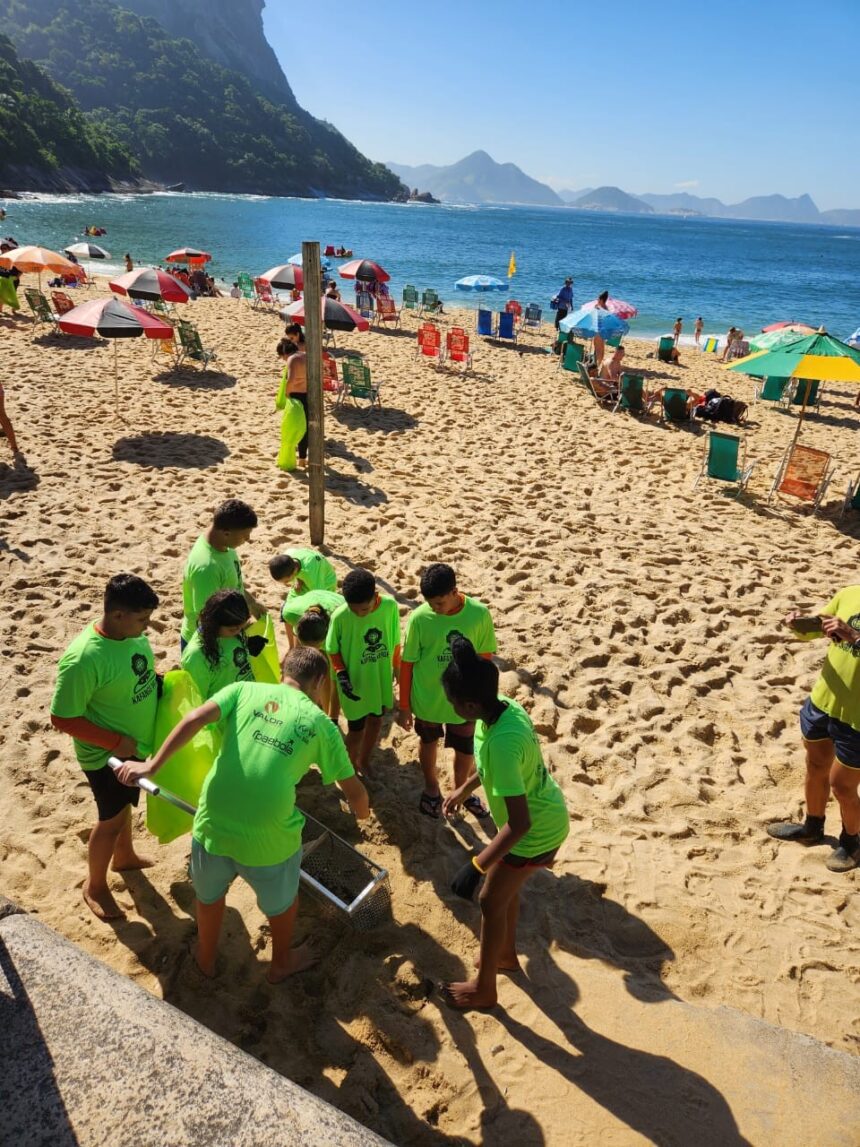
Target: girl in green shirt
<point x="526" y="803"/>
<point x="218" y="655"/>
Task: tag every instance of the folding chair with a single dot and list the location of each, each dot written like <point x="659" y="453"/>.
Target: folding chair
<point x="364" y="304"/>
<point x="410" y="298"/>
<point x="606" y="393"/>
<point x="62" y="303"/>
<point x="572" y="354"/>
<point x="485" y="324"/>
<point x="429" y="342"/>
<point x="430" y="302"/>
<point x="665" y="348"/>
<point x="246" y="285"/>
<point x="512" y="307"/>
<point x="532" y="318"/>
<point x="803" y="473"/>
<point x="357" y="383"/>
<point x="677" y="404"/>
<point x="506" y="330"/>
<point x="331" y="384"/>
<point x="770" y="389"/>
<point x="457" y="347"/>
<point x="264" y="298"/>
<point x="852" y="497"/>
<point x="793" y="395"/>
<point x="631" y="395"/>
<point x="192" y="347"/>
<point x="387" y="312"/>
<point x="711" y="345"/>
<point x="724" y="460"/>
<point x="41" y="309"/>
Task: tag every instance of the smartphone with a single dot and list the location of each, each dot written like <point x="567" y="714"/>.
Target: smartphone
<point x="807" y="625"/>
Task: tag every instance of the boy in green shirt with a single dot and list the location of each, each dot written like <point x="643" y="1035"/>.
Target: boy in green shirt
<point x="296" y="605"/>
<point x="430" y="629"/>
<point x="247" y="823"/>
<point x="363" y="642"/>
<point x="213" y="564"/>
<point x="302" y="569"/>
<point x="105" y="698"/>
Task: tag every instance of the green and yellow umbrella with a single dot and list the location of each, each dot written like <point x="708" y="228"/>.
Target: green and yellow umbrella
<point x="819" y="357"/>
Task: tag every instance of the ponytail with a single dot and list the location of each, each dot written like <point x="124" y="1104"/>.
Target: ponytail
<point x="312" y="626"/>
<point x="470" y="677"/>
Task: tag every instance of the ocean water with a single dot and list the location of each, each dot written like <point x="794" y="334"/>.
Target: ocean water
<point x="730" y="272"/>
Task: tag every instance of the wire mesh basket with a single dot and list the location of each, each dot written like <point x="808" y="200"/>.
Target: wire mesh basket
<point x="342" y="880"/>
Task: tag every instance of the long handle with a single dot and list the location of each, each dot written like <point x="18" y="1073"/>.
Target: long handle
<point x="149" y="786"/>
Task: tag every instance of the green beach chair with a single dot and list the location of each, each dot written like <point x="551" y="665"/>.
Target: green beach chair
<point x="356" y="383"/>
<point x="676" y="405"/>
<point x="724" y="460"/>
<point x="572" y="354"/>
<point x="246" y="285"/>
<point x="852" y="497"/>
<point x="430" y="302"/>
<point x="41" y="309"/>
<point x="794" y="394"/>
<point x="665" y="348"/>
<point x="410" y="298"/>
<point x="191" y="346"/>
<point x="631" y="395"/>
<point x="770" y="389"/>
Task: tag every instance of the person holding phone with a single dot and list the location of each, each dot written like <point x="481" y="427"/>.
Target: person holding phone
<point x="830" y="728"/>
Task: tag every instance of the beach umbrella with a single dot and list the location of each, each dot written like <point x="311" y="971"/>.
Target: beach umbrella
<point x="113" y="319"/>
<point x="149" y="283"/>
<point x="38" y="259"/>
<point x="819" y="357"/>
<point x="854" y="340"/>
<point x="774" y="338"/>
<point x="480" y="283"/>
<point x="616" y="307"/>
<point x="791" y="325"/>
<point x="587" y="324"/>
<point x="285" y="277"/>
<point x="188" y="255"/>
<point x="364" y="269"/>
<point x="88" y="251"/>
<point x="335" y="316"/>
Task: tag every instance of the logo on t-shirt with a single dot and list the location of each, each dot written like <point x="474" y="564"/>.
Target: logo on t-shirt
<point x="848" y="646"/>
<point x="238" y="572"/>
<point x="446" y="655"/>
<point x="145" y="683"/>
<point x="304" y="731"/>
<point x="240" y="661"/>
<point x="271" y="707"/>
<point x="376" y="647"/>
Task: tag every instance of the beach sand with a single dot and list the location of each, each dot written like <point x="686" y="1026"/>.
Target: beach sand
<point x="637" y="621"/>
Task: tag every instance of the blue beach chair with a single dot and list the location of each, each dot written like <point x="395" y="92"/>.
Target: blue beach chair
<point x="485" y="324"/>
<point x="506" y="330"/>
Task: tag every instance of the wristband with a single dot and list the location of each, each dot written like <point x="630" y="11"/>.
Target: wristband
<point x="482" y="871"/>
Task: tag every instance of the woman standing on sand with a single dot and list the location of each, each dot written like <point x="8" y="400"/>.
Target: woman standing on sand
<point x="526" y="803"/>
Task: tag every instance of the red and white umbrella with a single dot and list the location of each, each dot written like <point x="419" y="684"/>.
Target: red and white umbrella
<point x="335" y="316"/>
<point x="113" y="319"/>
<point x="364" y="269"/>
<point x="616" y="307"/>
<point x="150" y="283"/>
<point x="285" y="277"/>
<point x="799" y="328"/>
<point x="188" y="255"/>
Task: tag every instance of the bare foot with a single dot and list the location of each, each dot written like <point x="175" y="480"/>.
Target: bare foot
<point x="467" y="995"/>
<point x="130" y="863"/>
<point x="300" y="959"/>
<point x="102" y="904"/>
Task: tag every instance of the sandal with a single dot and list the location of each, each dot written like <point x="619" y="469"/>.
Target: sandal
<point x="476" y="807"/>
<point x="430" y="806"/>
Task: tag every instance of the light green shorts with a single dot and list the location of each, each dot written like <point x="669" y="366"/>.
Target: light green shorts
<point x="276" y="885"/>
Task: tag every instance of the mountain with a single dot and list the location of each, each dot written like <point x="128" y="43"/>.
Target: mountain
<point x="611" y="199"/>
<point x="568" y="196"/>
<point x="841" y="217"/>
<point x="683" y="201"/>
<point x="46" y="143"/>
<point x="477" y="179"/>
<point x="183" y="116"/>
<point x="776" y="207"/>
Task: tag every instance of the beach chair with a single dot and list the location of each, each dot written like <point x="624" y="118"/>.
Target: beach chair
<point x="430" y="302"/>
<point x="264" y="298"/>
<point x="604" y="392"/>
<point x="356" y="383"/>
<point x="794" y="394"/>
<point x="770" y="389"/>
<point x="506" y="330"/>
<point x="724" y="460"/>
<point x="246" y="285"/>
<point x="665" y="348"/>
<point x="331" y="384"/>
<point x="803" y="473"/>
<point x="457" y="347"/>
<point x="852" y="497"/>
<point x="429" y="342"/>
<point x="191" y="346"/>
<point x="711" y="345"/>
<point x="167" y="349"/>
<point x="62" y="303"/>
<point x="631" y="395"/>
<point x="387" y="313"/>
<point x="676" y="404"/>
<point x="512" y="307"/>
<point x="484" y="325"/>
<point x="410" y="298"/>
<point x="41" y="309"/>
<point x="165" y="311"/>
<point x="532" y="318"/>
<point x="572" y="354"/>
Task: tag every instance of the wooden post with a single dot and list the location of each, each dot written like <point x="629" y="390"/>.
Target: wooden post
<point x="316" y="428"/>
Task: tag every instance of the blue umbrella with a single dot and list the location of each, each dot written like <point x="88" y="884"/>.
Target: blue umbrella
<point x="854" y="340"/>
<point x="480" y="283"/>
<point x="588" y="323"/>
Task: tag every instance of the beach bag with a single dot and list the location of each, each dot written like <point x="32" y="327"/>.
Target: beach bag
<point x="553" y="303"/>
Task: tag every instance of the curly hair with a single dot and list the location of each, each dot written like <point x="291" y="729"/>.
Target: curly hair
<point x="226" y="607"/>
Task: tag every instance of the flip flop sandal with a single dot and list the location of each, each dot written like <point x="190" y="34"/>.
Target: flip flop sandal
<point x="430" y="806"/>
<point x="476" y="807"/>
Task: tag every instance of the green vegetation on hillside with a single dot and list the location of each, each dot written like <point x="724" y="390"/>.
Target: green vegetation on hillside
<point x="41" y="128"/>
<point x="185" y="118"/>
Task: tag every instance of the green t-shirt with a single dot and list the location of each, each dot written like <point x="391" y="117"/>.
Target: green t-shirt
<point x="111" y="683"/>
<point x="428" y="645"/>
<point x="317" y="572"/>
<point x="206" y="571"/>
<point x="510" y="764"/>
<point x="367" y="646"/>
<point x="298" y="604"/>
<point x="272" y="734"/>
<point x="234" y="664"/>
<point x="837" y="690"/>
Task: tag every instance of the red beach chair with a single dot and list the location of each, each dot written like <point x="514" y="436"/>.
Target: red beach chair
<point x="514" y="308"/>
<point x="429" y="343"/>
<point x="386" y="312"/>
<point x="330" y="382"/>
<point x="457" y="347"/>
<point x="263" y="297"/>
<point x="62" y="303"/>
<point x="803" y="473"/>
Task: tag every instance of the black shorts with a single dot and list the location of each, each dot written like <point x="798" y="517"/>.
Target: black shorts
<point x="460" y="738"/>
<point x="544" y="860"/>
<point x="111" y="794"/>
<point x="358" y="724"/>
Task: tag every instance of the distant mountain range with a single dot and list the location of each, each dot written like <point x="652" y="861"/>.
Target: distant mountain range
<point x="479" y="179"/>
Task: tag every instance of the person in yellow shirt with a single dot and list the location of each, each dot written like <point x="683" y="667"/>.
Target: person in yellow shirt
<point x="830" y="727"/>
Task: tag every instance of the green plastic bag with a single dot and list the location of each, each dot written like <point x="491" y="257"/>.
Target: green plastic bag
<point x="294" y="425"/>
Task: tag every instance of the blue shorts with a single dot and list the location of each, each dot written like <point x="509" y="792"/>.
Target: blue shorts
<point x="276" y="885"/>
<point x="816" y="725"/>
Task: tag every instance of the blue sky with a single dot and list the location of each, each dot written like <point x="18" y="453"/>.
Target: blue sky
<point x="729" y="99"/>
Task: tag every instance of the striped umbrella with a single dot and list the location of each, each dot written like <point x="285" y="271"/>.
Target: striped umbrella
<point x="285" y="277"/>
<point x="364" y="269"/>
<point x="335" y="316"/>
<point x="149" y="283"/>
<point x="188" y="255"/>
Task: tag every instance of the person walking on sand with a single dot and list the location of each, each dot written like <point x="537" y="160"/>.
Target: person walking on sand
<point x="527" y="805"/>
<point x="105" y="699"/>
<point x="247" y="823"/>
<point x="697" y="331"/>
<point x="830" y="728"/>
<point x="563" y="301"/>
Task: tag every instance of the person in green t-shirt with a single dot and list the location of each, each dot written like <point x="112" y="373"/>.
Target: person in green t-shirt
<point x="527" y="805"/>
<point x="213" y="564"/>
<point x="298" y="604"/>
<point x="218" y="654"/>
<point x="247" y="823"/>
<point x="430" y="629"/>
<point x="364" y="645"/>
<point x="302" y="569"/>
<point x="830" y="728"/>
<point x="105" y="698"/>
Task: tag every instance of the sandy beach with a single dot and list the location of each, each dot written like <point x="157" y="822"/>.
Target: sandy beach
<point x="638" y="622"/>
